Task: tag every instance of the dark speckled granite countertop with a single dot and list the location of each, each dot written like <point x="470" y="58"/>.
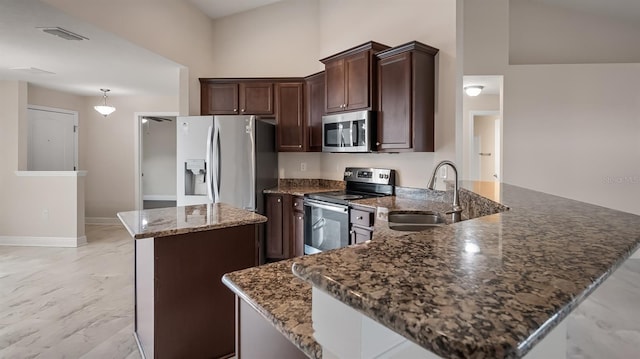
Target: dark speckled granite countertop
<point x="488" y="287"/>
<point x="161" y="222"/>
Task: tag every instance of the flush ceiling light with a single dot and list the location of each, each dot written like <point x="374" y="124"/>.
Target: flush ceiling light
<point x="473" y="90"/>
<point x="104" y="109"/>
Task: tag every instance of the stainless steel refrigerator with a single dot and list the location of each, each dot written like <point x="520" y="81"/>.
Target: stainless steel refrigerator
<point x="229" y="159"/>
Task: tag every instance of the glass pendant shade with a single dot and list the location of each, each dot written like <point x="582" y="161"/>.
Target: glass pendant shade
<point x="104" y="109"/>
<point x="473" y="90"/>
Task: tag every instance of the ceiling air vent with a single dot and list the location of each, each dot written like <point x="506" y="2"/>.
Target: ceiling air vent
<point x="65" y="34"/>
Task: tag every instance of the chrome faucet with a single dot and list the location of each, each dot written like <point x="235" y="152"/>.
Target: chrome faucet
<point x="456" y="211"/>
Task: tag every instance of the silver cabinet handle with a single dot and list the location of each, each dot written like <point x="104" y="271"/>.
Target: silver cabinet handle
<point x="295" y="204"/>
<point x="235" y="109"/>
<point x="242" y="110"/>
<point x="377" y="143"/>
<point x="299" y="146"/>
<point x="359" y="218"/>
<point x="278" y="200"/>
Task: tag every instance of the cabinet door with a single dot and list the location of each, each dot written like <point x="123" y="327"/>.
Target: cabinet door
<point x="314" y="105"/>
<point x="297" y="233"/>
<point x="394" y="89"/>
<point x="357" y="81"/>
<point x="275" y="227"/>
<point x="290" y="116"/>
<point x="256" y="98"/>
<point x="219" y="99"/>
<point x="335" y="95"/>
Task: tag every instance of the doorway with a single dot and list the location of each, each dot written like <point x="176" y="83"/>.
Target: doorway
<point x="485" y="156"/>
<point x="52" y="139"/>
<point x="481" y="134"/>
<point x="156" y="165"/>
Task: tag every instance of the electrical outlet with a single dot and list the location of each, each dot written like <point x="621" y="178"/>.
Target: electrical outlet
<point x="45" y="214"/>
<point x="303" y="166"/>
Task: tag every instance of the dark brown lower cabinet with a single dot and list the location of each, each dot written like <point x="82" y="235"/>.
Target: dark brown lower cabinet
<point x="285" y="226"/>
<point x="182" y="309"/>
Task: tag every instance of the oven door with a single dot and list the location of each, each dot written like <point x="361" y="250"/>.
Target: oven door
<point x="326" y="226"/>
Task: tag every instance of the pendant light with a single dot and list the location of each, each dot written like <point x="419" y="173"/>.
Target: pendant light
<point x="104" y="109"/>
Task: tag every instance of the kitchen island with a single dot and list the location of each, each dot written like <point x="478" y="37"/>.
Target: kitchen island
<point x="492" y="286"/>
<point x="181" y="307"/>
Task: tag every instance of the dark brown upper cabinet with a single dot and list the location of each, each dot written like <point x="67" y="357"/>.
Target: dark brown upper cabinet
<point x="350" y="78"/>
<point x="235" y="97"/>
<point x="290" y="116"/>
<point x="406" y="98"/>
<point x="314" y="110"/>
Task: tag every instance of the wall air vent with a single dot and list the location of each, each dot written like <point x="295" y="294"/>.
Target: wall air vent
<point x="65" y="34"/>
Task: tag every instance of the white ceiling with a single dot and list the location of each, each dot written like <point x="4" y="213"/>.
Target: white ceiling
<point x="107" y="61"/>
<point x="221" y="8"/>
<point x="79" y="67"/>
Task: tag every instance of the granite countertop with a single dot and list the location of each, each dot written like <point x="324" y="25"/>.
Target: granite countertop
<point x="282" y="298"/>
<point x="491" y="286"/>
<point x="186" y="219"/>
<point x="299" y="187"/>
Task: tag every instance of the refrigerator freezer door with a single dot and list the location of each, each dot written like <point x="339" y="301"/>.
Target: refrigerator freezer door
<point x="193" y="169"/>
<point x="235" y="154"/>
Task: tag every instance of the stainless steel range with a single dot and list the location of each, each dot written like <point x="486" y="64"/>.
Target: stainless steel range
<point x="326" y="223"/>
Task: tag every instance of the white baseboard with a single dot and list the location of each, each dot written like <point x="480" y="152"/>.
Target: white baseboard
<point x="159" y="197"/>
<point x="69" y="242"/>
<point x="101" y="220"/>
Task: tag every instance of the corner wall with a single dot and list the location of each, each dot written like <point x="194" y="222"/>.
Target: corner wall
<point x="40" y="208"/>
<point x="571" y="130"/>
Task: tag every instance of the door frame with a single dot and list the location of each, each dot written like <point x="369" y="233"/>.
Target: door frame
<point x="137" y="130"/>
<point x="76" y="130"/>
<point x="471" y="153"/>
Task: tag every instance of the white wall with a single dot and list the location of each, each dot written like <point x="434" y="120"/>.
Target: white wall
<point x="110" y="152"/>
<point x="288" y="39"/>
<point x="42" y="209"/>
<point x="572" y="130"/>
<point x="159" y="159"/>
<point x="540" y="33"/>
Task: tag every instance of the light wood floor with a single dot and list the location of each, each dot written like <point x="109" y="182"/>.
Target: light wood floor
<point x="78" y="303"/>
<point x="69" y="302"/>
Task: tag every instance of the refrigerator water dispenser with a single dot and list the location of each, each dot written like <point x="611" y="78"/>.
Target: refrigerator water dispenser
<point x="195" y="180"/>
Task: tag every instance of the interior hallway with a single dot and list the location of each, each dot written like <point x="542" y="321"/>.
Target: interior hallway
<point x="78" y="303"/>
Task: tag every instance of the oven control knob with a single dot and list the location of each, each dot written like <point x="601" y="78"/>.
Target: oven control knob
<point x="348" y="173"/>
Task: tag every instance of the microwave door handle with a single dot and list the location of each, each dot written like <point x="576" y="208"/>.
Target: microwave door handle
<point x="351" y="133"/>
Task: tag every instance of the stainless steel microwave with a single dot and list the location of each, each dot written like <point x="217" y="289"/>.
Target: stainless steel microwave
<point x="348" y="132"/>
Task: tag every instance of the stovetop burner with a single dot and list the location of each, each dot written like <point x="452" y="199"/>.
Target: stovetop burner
<point x="360" y="183"/>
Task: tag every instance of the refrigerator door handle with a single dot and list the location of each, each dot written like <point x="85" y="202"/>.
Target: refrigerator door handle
<point x="209" y="168"/>
<point x="252" y="163"/>
<point x="216" y="169"/>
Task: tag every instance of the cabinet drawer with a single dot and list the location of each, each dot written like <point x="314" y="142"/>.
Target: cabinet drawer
<point x="361" y="218"/>
<point x="298" y="204"/>
<point x="360" y="235"/>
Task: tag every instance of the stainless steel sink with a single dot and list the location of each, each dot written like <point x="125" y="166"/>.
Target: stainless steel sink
<point x="414" y="220"/>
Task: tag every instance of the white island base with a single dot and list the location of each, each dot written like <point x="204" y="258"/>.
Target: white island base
<point x="344" y="332"/>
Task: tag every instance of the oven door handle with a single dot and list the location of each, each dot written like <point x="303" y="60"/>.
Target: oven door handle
<point x="328" y="207"/>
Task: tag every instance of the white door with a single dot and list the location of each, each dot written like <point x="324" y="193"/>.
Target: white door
<point x="484" y="134"/>
<point x="52" y="141"/>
